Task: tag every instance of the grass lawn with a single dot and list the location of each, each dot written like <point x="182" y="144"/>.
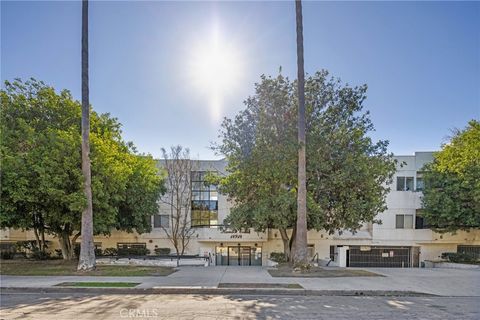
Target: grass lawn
<point x="318" y="272"/>
<point x="69" y="268"/>
<point x="261" y="285"/>
<point x="99" y="284"/>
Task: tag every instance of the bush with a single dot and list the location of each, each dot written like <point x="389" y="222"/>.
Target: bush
<point x="302" y="267"/>
<point x="278" y="257"/>
<point x="133" y="251"/>
<point x="162" y="251"/>
<point x="7" y="255"/>
<point x="76" y="250"/>
<point x="40" y="255"/>
<point x="459" y="257"/>
<point x="110" y="252"/>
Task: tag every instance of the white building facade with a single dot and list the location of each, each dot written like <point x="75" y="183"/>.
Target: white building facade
<point x="403" y="239"/>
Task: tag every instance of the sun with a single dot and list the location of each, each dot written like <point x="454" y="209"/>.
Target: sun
<point x="216" y="70"/>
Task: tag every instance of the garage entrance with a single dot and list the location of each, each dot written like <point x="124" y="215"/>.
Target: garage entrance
<point x="380" y="257"/>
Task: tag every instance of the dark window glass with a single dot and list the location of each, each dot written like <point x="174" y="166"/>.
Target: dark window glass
<point x="409" y="184"/>
<point x="399" y="221"/>
<point x="405" y="184"/>
<point x="160" y="221"/>
<point x="420" y="184"/>
<point x="332" y="253"/>
<point x="404" y="221"/>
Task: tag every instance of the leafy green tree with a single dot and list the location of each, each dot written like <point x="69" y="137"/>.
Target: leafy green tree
<point x="347" y="173"/>
<point x="451" y="197"/>
<point x="42" y="181"/>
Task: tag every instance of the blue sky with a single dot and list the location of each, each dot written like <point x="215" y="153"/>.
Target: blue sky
<point x="421" y="61"/>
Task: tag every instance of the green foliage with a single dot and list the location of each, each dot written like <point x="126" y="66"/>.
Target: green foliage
<point x="162" y="251"/>
<point x="6" y="254"/>
<point x="110" y="252"/>
<point x="302" y="267"/>
<point x="40" y="255"/>
<point x="459" y="257"/>
<point x="278" y="257"/>
<point x="451" y="196"/>
<point x="41" y="166"/>
<point x="133" y="251"/>
<point x="346" y="171"/>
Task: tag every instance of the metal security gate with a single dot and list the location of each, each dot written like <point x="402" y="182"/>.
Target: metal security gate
<point x="469" y="249"/>
<point x="379" y="257"/>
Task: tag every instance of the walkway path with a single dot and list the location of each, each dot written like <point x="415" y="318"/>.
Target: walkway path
<point x="444" y="282"/>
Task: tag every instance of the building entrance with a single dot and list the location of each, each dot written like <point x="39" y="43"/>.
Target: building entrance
<point x="238" y="256"/>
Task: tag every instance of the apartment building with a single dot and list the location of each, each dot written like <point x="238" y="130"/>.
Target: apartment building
<point x="403" y="239"/>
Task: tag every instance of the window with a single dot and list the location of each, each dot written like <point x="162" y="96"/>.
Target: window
<point x="161" y="220"/>
<point x="420" y="222"/>
<point x="404" y="221"/>
<point x="332" y="253"/>
<point x="405" y="184"/>
<point x="204" y="201"/>
<point x="420" y="183"/>
<point x="311" y="250"/>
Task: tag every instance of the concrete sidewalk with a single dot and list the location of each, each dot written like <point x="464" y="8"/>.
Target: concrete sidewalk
<point x="443" y="282"/>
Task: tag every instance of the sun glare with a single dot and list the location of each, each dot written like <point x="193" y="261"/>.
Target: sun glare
<point x="216" y="70"/>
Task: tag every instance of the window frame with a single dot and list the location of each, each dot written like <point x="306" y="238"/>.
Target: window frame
<point x="160" y="225"/>
<point x="405" y="183"/>
<point x="204" y="202"/>
<point x="404" y="221"/>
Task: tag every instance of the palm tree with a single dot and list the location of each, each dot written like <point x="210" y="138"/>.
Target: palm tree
<point x="87" y="249"/>
<point x="300" y="254"/>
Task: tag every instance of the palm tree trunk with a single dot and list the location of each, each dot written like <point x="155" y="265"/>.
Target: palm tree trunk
<point x="87" y="249"/>
<point x="300" y="254"/>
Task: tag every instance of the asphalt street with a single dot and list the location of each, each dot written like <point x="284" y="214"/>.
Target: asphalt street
<point x="50" y="306"/>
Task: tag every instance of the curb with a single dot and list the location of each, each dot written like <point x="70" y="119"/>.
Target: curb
<point x="218" y="291"/>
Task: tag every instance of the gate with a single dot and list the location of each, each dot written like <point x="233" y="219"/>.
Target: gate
<point x="383" y="257"/>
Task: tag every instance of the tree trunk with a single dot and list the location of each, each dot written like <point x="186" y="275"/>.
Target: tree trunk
<point x="292" y="242"/>
<point x="42" y="239"/>
<point x="300" y="255"/>
<point x="65" y="245"/>
<point x="286" y="243"/>
<point x="87" y="249"/>
<point x="37" y="238"/>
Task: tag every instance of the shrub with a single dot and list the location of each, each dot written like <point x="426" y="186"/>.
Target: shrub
<point x="98" y="252"/>
<point x="110" y="252"/>
<point x="162" y="251"/>
<point x="278" y="257"/>
<point x="302" y="267"/>
<point x="7" y="255"/>
<point x="459" y="257"/>
<point x="133" y="251"/>
<point x="40" y="255"/>
<point x="58" y="253"/>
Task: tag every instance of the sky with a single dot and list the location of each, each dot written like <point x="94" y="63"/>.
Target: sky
<point x="153" y="64"/>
